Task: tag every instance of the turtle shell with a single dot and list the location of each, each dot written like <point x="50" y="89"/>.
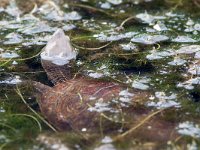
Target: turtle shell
<point x="79" y="103"/>
<point x="92" y="106"/>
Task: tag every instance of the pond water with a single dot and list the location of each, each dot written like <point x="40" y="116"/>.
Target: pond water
<point x="149" y="45"/>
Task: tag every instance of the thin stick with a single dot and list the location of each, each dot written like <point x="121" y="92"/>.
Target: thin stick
<point x="126" y="20"/>
<point x="61" y="13"/>
<point x="91" y="8"/>
<point x="137" y="126"/>
<point x="110" y="119"/>
<point x="7" y="61"/>
<point x="5" y="144"/>
<point x="81" y="98"/>
<point x="22" y="98"/>
<point x="81" y="37"/>
<point x="197" y="3"/>
<point x="22" y="59"/>
<point x="101" y="126"/>
<point x="95" y="48"/>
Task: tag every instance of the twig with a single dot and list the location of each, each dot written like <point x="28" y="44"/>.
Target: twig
<point x="91" y="8"/>
<point x="95" y="48"/>
<point x="22" y="98"/>
<point x="110" y="119"/>
<point x="5" y="144"/>
<point x="7" y="61"/>
<point x="126" y="20"/>
<point x="197" y="3"/>
<point x="21" y="59"/>
<point x="101" y="126"/>
<point x="81" y="37"/>
<point x="137" y="126"/>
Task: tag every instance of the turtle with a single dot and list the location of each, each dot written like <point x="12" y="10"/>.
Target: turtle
<point x="80" y="102"/>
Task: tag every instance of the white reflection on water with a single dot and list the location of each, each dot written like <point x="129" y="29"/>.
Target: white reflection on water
<point x="12" y="80"/>
<point x="189" y="128"/>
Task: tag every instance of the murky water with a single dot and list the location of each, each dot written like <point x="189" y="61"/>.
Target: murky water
<point x="149" y="45"/>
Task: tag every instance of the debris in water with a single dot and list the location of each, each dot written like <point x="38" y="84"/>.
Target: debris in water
<point x="14" y="63"/>
<point x="149" y="39"/>
<point x="160" y="27"/>
<point x="35" y="28"/>
<point x="126" y="93"/>
<point x="52" y="143"/>
<point x="163" y="104"/>
<point x="197" y="27"/>
<point x="106" y="140"/>
<point x="197" y="55"/>
<point x="13" y="38"/>
<point x="189" y="84"/>
<point x="156" y="54"/>
<point x="115" y="2"/>
<point x="105" y="147"/>
<point x="147" y="18"/>
<point x="68" y="27"/>
<point x="113" y="36"/>
<point x="162" y="95"/>
<point x="194" y="69"/>
<point x="13" y="10"/>
<point x="184" y="39"/>
<point x="106" y="5"/>
<point x="164" y="101"/>
<point x="9" y="55"/>
<point x="12" y="80"/>
<point x="189" y="49"/>
<point x="189" y="128"/>
<point x="95" y="74"/>
<point x="141" y="84"/>
<point x="52" y="12"/>
<point x="128" y="47"/>
<point x="100" y="106"/>
<point x="177" y="62"/>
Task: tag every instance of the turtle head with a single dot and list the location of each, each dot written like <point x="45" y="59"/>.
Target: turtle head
<point x="57" y="56"/>
<point x="58" y="49"/>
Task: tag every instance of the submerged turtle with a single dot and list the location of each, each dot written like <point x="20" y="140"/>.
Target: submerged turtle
<point x="79" y="103"/>
<point x="70" y="101"/>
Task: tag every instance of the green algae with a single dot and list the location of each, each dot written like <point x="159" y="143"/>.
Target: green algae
<point x="20" y="127"/>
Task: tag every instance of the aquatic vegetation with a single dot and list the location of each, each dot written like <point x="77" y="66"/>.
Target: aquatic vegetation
<point x="149" y="46"/>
